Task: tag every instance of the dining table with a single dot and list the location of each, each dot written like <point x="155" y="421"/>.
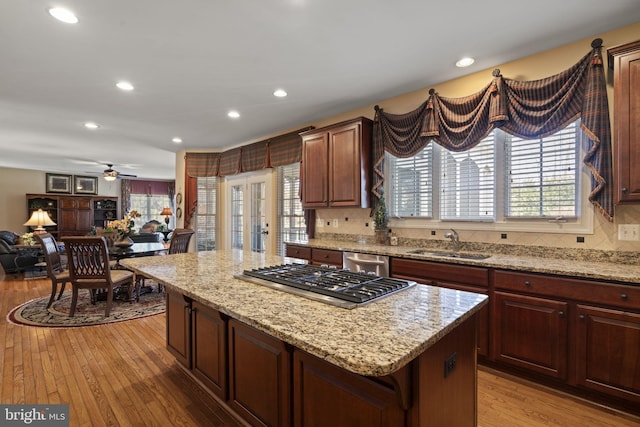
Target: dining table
<point x="118" y="253"/>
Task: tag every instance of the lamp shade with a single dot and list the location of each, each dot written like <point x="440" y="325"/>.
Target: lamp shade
<point x="166" y="211"/>
<point x="39" y="219"/>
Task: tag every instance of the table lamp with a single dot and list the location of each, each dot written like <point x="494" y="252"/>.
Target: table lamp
<point x="167" y="212"/>
<point x="39" y="219"/>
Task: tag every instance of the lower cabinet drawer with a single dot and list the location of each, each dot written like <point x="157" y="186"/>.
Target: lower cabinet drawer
<point x="601" y="293"/>
<point x="301" y="252"/>
<point x="326" y="256"/>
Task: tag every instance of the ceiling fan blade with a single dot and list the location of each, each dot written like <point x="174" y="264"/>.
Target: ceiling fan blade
<point x="126" y="174"/>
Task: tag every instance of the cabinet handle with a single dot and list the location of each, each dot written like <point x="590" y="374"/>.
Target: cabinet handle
<point x="527" y="283"/>
<point x="624" y="189"/>
<point x="561" y="313"/>
<point x="581" y="317"/>
<point x="624" y="297"/>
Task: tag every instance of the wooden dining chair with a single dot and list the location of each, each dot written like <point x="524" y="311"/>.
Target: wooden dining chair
<point x="180" y="239"/>
<point x="56" y="270"/>
<point x="88" y="259"/>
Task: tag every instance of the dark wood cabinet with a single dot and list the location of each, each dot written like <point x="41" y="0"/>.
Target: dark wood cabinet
<point x="105" y="209"/>
<point x="326" y="257"/>
<point x="325" y="395"/>
<point x="75" y="216"/>
<point x="47" y="204"/>
<point x="298" y="251"/>
<point x="531" y="333"/>
<point x="463" y="278"/>
<point x="625" y="61"/>
<point x="336" y="165"/>
<point x="259" y="376"/>
<point x="197" y="337"/>
<point x="178" y="314"/>
<point x="209" y="348"/>
<point x="608" y="351"/>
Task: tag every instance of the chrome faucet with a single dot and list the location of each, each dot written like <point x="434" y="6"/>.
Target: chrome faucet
<point x="453" y="235"/>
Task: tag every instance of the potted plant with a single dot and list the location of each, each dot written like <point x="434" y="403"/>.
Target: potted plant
<point x="380" y="221"/>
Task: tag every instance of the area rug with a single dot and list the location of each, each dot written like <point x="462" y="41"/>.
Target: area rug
<point x="35" y="312"/>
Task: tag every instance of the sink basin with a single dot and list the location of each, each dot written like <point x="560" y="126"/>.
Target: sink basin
<point x="448" y="254"/>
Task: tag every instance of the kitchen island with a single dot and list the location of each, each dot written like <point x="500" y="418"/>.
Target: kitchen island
<point x="279" y="359"/>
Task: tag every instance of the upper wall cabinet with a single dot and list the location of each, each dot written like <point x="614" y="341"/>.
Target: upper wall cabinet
<point x="625" y="61"/>
<point x="336" y="165"/>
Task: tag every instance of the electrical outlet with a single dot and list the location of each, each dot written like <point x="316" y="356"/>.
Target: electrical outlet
<point x="449" y="365"/>
<point x="335" y="223"/>
<point x="629" y="232"/>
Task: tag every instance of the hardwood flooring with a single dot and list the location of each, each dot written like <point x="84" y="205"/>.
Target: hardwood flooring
<point x="122" y="375"/>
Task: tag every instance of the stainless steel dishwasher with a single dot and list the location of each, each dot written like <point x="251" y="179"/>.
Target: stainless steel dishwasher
<point x="375" y="264"/>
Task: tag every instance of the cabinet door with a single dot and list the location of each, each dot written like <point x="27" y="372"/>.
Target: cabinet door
<point x="626" y="62"/>
<point x="259" y="376"/>
<point x="84" y="216"/>
<point x="178" y="327"/>
<point x="314" y="171"/>
<point x="345" y="166"/>
<point x="531" y="333"/>
<point x="325" y="395"/>
<point x="209" y="348"/>
<point x="608" y="351"/>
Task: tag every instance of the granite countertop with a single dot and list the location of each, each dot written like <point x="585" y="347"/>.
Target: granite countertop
<point x="568" y="266"/>
<point x="375" y="339"/>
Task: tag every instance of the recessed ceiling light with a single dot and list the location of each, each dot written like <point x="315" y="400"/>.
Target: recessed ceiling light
<point x="64" y="15"/>
<point x="177" y="140"/>
<point x="280" y="93"/>
<point x="233" y="114"/>
<point x="124" y="85"/>
<point x="465" y="62"/>
<point x="91" y="125"/>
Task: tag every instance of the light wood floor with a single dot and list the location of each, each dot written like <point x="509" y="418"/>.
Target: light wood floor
<point x="121" y="374"/>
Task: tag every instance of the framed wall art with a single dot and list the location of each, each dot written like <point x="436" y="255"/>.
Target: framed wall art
<point x="85" y="184"/>
<point x="57" y="183"/>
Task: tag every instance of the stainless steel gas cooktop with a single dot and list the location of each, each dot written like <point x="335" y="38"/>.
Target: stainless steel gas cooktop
<point x="341" y="288"/>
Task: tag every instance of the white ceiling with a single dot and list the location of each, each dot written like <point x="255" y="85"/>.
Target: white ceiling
<point x="193" y="60"/>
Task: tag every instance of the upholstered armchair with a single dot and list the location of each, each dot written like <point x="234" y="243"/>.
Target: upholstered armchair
<point x="10" y="258"/>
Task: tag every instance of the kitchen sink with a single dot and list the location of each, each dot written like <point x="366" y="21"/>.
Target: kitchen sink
<point x="448" y="254"/>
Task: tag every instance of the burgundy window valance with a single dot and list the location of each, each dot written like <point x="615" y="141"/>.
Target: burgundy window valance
<point x="527" y="109"/>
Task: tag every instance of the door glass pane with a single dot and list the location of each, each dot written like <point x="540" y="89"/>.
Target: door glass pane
<point x="236" y="216"/>
<point x="258" y="220"/>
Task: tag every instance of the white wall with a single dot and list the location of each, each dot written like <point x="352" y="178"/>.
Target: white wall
<point x="16" y="183"/>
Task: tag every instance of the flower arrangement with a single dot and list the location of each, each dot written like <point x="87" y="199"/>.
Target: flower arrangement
<point x="124" y="226"/>
<point x="28" y="239"/>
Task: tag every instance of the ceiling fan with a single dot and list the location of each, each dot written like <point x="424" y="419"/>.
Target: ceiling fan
<point x="110" y="174"/>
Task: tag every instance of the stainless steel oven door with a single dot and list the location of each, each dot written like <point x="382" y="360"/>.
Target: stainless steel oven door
<point x="375" y="264"/>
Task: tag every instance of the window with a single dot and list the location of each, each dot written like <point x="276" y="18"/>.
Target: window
<point x="291" y="225"/>
<point x="542" y="175"/>
<point x="205" y="216"/>
<point x="468" y="182"/>
<point x="237" y="213"/>
<point x="149" y="206"/>
<point x="411" y="184"/>
<point x="534" y="179"/>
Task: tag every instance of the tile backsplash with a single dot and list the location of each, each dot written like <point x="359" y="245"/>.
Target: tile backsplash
<point x="356" y="224"/>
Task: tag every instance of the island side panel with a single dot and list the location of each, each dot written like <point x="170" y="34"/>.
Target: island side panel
<point x="444" y="399"/>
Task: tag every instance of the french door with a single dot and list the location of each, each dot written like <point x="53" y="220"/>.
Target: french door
<point x="249" y="212"/>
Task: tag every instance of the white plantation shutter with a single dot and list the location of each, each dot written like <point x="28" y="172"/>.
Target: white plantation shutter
<point x="291" y="225"/>
<point x="411" y="184"/>
<point x="205" y="217"/>
<point x="468" y="182"/>
<point x="542" y="175"/>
